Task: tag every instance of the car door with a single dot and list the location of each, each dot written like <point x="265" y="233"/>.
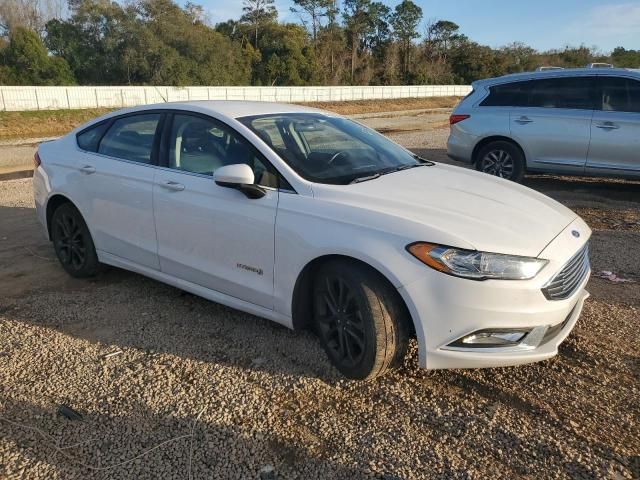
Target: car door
<point x="211" y="235"/>
<point x="114" y="186"/>
<point x="615" y="130"/>
<point x="554" y="126"/>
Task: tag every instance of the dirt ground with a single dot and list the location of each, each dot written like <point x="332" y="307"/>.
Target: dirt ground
<point x="173" y="386"/>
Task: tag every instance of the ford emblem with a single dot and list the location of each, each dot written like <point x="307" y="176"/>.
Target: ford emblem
<point x="575" y="233"/>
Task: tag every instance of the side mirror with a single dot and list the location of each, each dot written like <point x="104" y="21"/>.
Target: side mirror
<point x="238" y="176"/>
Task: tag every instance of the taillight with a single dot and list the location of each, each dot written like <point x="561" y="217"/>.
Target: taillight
<point x="36" y="161"/>
<point x="453" y="119"/>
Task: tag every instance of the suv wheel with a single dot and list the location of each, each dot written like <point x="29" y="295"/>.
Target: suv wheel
<point x="502" y="159"/>
<point x="360" y="320"/>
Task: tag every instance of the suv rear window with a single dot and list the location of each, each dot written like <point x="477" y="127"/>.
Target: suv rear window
<point x="513" y="94"/>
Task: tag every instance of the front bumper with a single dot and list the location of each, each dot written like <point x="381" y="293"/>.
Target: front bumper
<point x="447" y="308"/>
<point x="542" y="349"/>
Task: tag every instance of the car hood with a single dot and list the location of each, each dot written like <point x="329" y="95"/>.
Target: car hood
<point x="463" y="207"/>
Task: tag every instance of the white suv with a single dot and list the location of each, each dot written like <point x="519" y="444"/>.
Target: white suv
<point x="580" y="122"/>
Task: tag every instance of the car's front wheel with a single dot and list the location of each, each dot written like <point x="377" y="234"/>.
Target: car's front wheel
<point x="72" y="242"/>
<point x="360" y="319"/>
<point x="502" y="159"/>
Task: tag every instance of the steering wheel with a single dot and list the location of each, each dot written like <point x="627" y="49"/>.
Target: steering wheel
<point x="335" y="156"/>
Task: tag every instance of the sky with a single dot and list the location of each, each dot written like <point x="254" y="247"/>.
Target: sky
<point x="542" y="24"/>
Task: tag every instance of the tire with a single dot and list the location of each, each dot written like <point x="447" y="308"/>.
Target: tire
<point x="360" y="320"/>
<point x="502" y="159"/>
<point x="72" y="242"/>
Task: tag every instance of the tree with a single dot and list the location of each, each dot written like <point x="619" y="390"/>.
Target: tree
<point x="147" y="42"/>
<point x="366" y="23"/>
<point x="30" y="14"/>
<point x="287" y="57"/>
<point x="625" y="58"/>
<point x="257" y="13"/>
<point x="442" y="35"/>
<point x="27" y="62"/>
<point x="518" y="57"/>
<point x="405" y="20"/>
<point x="315" y="11"/>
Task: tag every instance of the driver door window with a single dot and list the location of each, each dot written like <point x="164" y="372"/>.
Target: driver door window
<point x="201" y="145"/>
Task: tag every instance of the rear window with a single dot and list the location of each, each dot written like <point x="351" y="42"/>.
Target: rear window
<point x="88" y="139"/>
<point x="508" y="95"/>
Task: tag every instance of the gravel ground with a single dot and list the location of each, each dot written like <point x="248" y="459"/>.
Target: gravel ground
<point x="173" y="386"/>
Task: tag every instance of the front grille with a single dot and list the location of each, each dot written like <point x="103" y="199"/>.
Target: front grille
<point x="567" y="280"/>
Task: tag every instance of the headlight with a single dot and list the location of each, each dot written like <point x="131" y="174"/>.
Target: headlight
<point x="476" y="265"/>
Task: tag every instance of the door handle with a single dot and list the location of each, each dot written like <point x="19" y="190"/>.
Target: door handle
<point x="88" y="169"/>
<point x="608" y="126"/>
<point x="174" y="186"/>
<point x="524" y="120"/>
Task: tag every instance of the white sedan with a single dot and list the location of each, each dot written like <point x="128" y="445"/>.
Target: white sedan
<point x="314" y="221"/>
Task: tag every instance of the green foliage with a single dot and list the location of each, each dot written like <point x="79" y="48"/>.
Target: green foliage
<point x="626" y="58"/>
<point x="160" y="42"/>
<point x="25" y="61"/>
<point x="150" y="42"/>
<point x="285" y="57"/>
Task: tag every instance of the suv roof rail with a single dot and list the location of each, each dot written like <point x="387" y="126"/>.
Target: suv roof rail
<point x="600" y="65"/>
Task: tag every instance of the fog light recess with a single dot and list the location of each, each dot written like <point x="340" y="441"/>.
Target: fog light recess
<point x="491" y="339"/>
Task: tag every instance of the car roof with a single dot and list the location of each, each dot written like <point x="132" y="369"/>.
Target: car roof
<point x="233" y="108"/>
<point x="569" y="72"/>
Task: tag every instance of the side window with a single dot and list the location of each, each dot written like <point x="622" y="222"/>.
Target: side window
<point x="571" y="93"/>
<point x="131" y="138"/>
<point x="88" y="140"/>
<point x="201" y="145"/>
<point x="513" y="94"/>
<point x="620" y="95"/>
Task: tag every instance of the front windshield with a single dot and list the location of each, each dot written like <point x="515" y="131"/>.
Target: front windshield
<point x="326" y="149"/>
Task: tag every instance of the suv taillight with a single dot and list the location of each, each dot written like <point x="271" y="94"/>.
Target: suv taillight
<point x="36" y="161"/>
<point x="453" y="119"/>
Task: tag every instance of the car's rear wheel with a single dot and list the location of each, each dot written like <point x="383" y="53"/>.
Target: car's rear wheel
<point x="72" y="242"/>
<point x="361" y="321"/>
<point x="502" y="159"/>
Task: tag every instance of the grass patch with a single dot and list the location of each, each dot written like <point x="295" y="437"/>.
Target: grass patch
<point x="51" y="123"/>
<point x="44" y="123"/>
<point x="356" y="107"/>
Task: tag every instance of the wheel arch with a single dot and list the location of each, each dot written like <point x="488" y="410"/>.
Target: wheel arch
<point x="53" y="203"/>
<point x="301" y="301"/>
<point x="496" y="138"/>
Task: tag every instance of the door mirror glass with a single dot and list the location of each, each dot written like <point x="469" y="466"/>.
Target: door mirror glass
<point x="234" y="175"/>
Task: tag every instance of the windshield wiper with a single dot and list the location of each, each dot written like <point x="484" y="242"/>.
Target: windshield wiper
<point x="365" y="178"/>
<point x="391" y="170"/>
<point x="424" y="161"/>
<point x="407" y="167"/>
<point x="404" y="167"/>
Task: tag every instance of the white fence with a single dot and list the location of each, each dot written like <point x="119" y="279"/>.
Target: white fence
<point x="57" y="98"/>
